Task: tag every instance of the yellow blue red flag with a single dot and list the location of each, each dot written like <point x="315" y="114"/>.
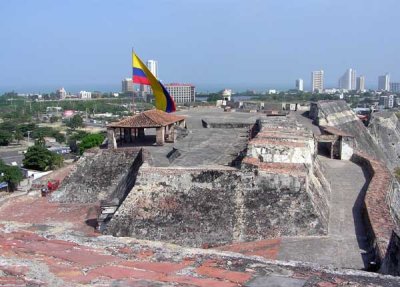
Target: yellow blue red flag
<point x="142" y="75"/>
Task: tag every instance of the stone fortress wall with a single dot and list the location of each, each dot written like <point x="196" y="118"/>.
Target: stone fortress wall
<point x="283" y="194"/>
<point x="216" y="205"/>
<point x="99" y="175"/>
<point x="374" y="153"/>
<point x="278" y="190"/>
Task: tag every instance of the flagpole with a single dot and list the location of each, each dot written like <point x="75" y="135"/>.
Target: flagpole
<point x="133" y="93"/>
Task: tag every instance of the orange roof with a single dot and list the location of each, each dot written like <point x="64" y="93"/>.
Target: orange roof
<point x="148" y="119"/>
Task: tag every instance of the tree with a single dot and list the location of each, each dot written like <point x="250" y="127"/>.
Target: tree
<point x="18" y="136"/>
<point x="75" y="122"/>
<point x="39" y="158"/>
<point x="5" y="137"/>
<point x="54" y="119"/>
<point x="10" y="174"/>
<point x="90" y="141"/>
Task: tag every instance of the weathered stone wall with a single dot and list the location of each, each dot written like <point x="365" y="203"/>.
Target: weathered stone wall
<point x="338" y="114"/>
<point x="207" y="207"/>
<point x="127" y="181"/>
<point x="319" y="189"/>
<point x="391" y="263"/>
<point x="377" y="213"/>
<point x="97" y="176"/>
<point x="282" y="140"/>
<point x="285" y="152"/>
<point x="385" y="128"/>
<point x="394" y="201"/>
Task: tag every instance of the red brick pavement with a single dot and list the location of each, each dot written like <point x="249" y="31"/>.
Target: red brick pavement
<point x="49" y="244"/>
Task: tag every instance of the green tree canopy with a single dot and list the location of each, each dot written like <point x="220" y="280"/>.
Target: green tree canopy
<point x="18" y="136"/>
<point x="75" y="122"/>
<point x="5" y="137"/>
<point x="39" y="158"/>
<point x="90" y="141"/>
<point x="10" y="174"/>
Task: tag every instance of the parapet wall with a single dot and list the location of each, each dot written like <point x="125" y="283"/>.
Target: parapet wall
<point x="385" y="128"/>
<point x="216" y="206"/>
<point x="319" y="189"/>
<point x="98" y="175"/>
<point x="377" y="212"/>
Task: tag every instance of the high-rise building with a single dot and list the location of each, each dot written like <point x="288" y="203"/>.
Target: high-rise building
<point x="61" y="93"/>
<point x="391" y="101"/>
<point x="127" y="85"/>
<point x="153" y="67"/>
<point x="395" y="87"/>
<point x="317" y="81"/>
<point x="383" y="82"/>
<point x="361" y="83"/>
<point x="348" y="80"/>
<point x="384" y="102"/>
<point x="182" y="93"/>
<point x="300" y="84"/>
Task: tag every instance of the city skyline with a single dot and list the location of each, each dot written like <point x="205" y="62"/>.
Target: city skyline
<point x="42" y="51"/>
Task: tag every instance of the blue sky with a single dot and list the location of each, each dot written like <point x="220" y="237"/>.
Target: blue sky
<point x="211" y="43"/>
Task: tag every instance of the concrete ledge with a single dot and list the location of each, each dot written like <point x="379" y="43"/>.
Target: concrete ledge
<point x="377" y="212"/>
<point x="294" y="169"/>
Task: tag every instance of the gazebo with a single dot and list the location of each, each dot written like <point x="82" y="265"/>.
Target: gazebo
<point x="133" y="128"/>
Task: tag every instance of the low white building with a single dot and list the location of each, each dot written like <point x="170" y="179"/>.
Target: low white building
<point x="226" y="94"/>
<point x="182" y="93"/>
<point x="85" y="95"/>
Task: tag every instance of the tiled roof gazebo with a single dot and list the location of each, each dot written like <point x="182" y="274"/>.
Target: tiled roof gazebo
<point x="133" y="127"/>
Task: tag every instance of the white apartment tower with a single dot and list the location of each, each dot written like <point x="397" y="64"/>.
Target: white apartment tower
<point x="361" y="83"/>
<point x="300" y="84"/>
<point x="384" y="82"/>
<point x="153" y="67"/>
<point x="85" y="95"/>
<point x="348" y="80"/>
<point x="317" y="81"/>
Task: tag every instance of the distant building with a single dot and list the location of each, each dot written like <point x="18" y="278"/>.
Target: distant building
<point x="348" y="80"/>
<point x="226" y="94"/>
<point x="395" y="87"/>
<point x="127" y="85"/>
<point x="361" y="83"/>
<point x="182" y="93"/>
<point x="61" y="93"/>
<point x="153" y="67"/>
<point x="317" y="81"/>
<point x="383" y="82"/>
<point x="85" y="95"/>
<point x="272" y="92"/>
<point x="96" y="95"/>
<point x="300" y="85"/>
<point x="391" y="101"/>
<point x="384" y="102"/>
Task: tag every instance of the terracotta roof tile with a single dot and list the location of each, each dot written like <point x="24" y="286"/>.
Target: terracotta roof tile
<point x="147" y="119"/>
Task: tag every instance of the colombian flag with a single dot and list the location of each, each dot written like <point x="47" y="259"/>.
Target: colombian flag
<point x="142" y="75"/>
